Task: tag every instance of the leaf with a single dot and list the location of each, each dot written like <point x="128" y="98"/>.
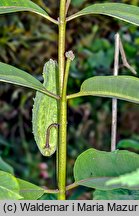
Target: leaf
<point x="5" y="166"/>
<point x="41" y="120"/>
<point x="29" y="191"/>
<point x="128" y="143"/>
<point x="94" y="168"/>
<point x="117" y="194"/>
<point x="10" y="6"/>
<point x="125" y="12"/>
<point x="9" y="188"/>
<point x="129" y="179"/>
<point x="120" y="87"/>
<point x="10" y="74"/>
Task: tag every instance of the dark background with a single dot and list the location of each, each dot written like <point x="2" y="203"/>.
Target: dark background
<point x="27" y="41"/>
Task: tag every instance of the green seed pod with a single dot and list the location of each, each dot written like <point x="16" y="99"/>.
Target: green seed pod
<point x="45" y="112"/>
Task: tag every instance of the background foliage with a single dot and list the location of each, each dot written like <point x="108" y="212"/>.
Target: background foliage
<point x="27" y="41"/>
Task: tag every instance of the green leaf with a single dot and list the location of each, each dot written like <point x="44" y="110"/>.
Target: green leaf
<point x="120" y="87"/>
<point x="128" y="143"/>
<point x="5" y="167"/>
<point x="29" y="191"/>
<point x="125" y="12"/>
<point x="10" y="6"/>
<point x="94" y="168"/>
<point x="42" y="120"/>
<point x="117" y="194"/>
<point x="9" y="188"/>
<point x="129" y="179"/>
<point x="16" y="76"/>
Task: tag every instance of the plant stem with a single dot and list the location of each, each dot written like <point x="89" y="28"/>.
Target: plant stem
<point x="67" y="5"/>
<point x="114" y="100"/>
<point x="75" y="95"/>
<point x="124" y="59"/>
<point x="50" y="94"/>
<point x="62" y="148"/>
<point x="70" y="57"/>
<point x="61" y="43"/>
<point x="51" y="19"/>
<point x="63" y="133"/>
<point x="49" y="191"/>
<point x="56" y="191"/>
<point x="71" y="186"/>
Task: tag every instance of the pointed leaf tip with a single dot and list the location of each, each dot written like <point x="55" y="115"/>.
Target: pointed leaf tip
<point x="125" y="12"/>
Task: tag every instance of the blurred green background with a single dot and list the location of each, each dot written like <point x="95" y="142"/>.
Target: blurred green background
<point x="27" y="41"/>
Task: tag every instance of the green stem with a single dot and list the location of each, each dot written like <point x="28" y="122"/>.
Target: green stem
<point x="71" y="186"/>
<point x="51" y="19"/>
<point x="50" y="94"/>
<point x="62" y="148"/>
<point x="70" y="57"/>
<point x="56" y="191"/>
<point x="63" y="132"/>
<point x="49" y="191"/>
<point x="62" y="159"/>
<point x="61" y="43"/>
<point x="75" y="95"/>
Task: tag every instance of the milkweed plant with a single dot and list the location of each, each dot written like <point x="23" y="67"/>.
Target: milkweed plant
<point x="105" y="172"/>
